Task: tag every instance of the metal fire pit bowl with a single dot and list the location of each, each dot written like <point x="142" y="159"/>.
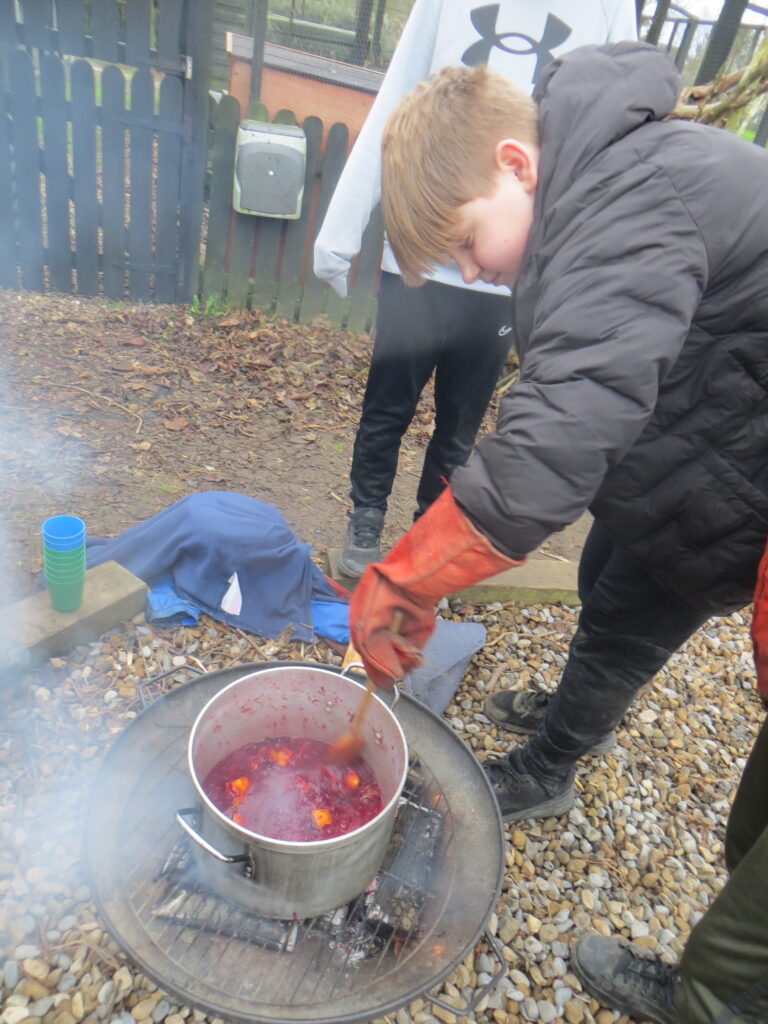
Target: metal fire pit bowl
<point x="131" y="834"/>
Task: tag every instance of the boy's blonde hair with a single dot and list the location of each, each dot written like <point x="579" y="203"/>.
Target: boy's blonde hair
<point x="438" y="153"/>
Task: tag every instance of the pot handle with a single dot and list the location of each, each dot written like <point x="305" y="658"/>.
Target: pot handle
<point x="181" y="821"/>
<point x="358" y="665"/>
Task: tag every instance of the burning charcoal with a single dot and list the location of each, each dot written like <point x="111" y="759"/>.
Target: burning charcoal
<point x="333" y="922"/>
<point x="416" y="781"/>
<point x="401" y="886"/>
<point x="199" y="910"/>
<point x="350" y="954"/>
<point x="178" y="860"/>
<point x="346" y="932"/>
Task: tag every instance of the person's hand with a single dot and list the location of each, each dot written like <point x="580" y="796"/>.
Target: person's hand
<point x="389" y="628"/>
<point x="392" y="611"/>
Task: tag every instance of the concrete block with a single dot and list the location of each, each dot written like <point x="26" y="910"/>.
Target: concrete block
<point x="111" y="595"/>
<point x="540" y="580"/>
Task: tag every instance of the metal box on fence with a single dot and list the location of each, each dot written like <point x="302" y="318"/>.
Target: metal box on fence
<point x="270" y="161"/>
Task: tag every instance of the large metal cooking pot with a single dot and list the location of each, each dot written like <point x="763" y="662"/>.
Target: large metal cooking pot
<point x="287" y="879"/>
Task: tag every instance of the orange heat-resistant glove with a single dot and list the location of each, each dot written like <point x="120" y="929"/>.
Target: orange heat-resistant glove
<point x="391" y="614"/>
<point x="759" y="628"/>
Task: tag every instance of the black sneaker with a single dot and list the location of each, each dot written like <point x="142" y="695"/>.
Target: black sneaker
<point x="626" y="977"/>
<point x="362" y="544"/>
<point x="520" y="795"/>
<point x="524" y="711"/>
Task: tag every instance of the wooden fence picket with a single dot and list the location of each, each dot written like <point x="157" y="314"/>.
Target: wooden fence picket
<point x="105" y="27"/>
<point x="140" y="222"/>
<point x="36" y="28"/>
<point x="368" y="264"/>
<point x="168" y="180"/>
<point x="196" y="45"/>
<point x="138" y="22"/>
<point x="8" y="275"/>
<point x="227" y="119"/>
<point x="53" y="110"/>
<point x="335" y="308"/>
<point x="315" y="291"/>
<point x="113" y="127"/>
<point x="7" y="27"/>
<point x="169" y="17"/>
<point x="297" y="231"/>
<point x="243" y="239"/>
<point x="243" y="234"/>
<point x="71" y="23"/>
<point x="269" y="232"/>
<point x="26" y="155"/>
<point x="84" y="177"/>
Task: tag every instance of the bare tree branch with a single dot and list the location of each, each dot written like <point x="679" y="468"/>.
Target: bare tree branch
<point x="728" y="96"/>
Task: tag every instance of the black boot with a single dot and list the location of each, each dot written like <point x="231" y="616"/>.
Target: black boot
<point x="363" y="541"/>
<point x="626" y="977"/>
<point x="522" y="795"/>
<point x="524" y="711"/>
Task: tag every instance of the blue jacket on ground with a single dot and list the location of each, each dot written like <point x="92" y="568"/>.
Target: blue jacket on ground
<point x="201" y="540"/>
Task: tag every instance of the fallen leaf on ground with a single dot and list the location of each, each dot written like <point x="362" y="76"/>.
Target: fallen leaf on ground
<point x="176" y="423"/>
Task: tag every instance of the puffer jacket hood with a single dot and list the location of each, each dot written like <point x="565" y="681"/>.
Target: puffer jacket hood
<point x="591" y="99"/>
<point x="641" y="323"/>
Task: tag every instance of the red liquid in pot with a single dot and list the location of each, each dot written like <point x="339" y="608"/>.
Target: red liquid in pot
<point x="288" y="789"/>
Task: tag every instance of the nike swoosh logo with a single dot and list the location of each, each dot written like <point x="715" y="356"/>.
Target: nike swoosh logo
<point x="504" y="330"/>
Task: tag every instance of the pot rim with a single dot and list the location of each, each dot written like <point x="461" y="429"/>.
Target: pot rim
<point x="294" y="845"/>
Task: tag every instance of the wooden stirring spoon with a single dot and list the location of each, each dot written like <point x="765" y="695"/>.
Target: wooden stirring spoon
<point x="351" y="742"/>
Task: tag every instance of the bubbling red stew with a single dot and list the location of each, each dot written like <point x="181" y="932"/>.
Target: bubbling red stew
<point x="289" y="789"/>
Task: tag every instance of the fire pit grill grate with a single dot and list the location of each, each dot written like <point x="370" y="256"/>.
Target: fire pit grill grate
<point x="387" y="947"/>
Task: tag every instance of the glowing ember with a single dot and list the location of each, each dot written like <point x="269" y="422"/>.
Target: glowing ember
<point x="288" y="789"/>
<point x="279" y="755"/>
<point x="237" y="788"/>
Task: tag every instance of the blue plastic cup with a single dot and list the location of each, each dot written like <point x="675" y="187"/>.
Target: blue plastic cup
<point x="63" y="533"/>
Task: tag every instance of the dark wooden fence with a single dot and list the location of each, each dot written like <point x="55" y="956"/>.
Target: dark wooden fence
<point x="104" y="149"/>
<point x="103" y="136"/>
<point x="259" y="261"/>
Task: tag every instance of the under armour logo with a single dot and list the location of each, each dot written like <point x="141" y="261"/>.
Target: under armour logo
<point x="484" y="19"/>
<point x="504" y="330"/>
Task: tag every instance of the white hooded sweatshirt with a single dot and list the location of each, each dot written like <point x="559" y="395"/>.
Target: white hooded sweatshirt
<point x="516" y="38"/>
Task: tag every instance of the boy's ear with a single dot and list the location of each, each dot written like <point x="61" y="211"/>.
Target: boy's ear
<point x="518" y="158"/>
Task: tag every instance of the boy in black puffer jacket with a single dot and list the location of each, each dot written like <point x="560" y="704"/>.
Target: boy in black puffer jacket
<point x="638" y="249"/>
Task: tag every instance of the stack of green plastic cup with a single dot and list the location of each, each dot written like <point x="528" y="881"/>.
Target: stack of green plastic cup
<point x="64" y="561"/>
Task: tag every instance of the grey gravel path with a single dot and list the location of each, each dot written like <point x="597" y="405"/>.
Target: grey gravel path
<point x="641" y="854"/>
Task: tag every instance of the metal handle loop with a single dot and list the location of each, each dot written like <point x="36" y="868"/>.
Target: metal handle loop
<point x="146" y="686"/>
<point x="203" y="843"/>
<point x="395" y="691"/>
<point x="358" y="665"/>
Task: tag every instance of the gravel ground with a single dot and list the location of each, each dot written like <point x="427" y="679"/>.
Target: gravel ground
<point x="641" y="854"/>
